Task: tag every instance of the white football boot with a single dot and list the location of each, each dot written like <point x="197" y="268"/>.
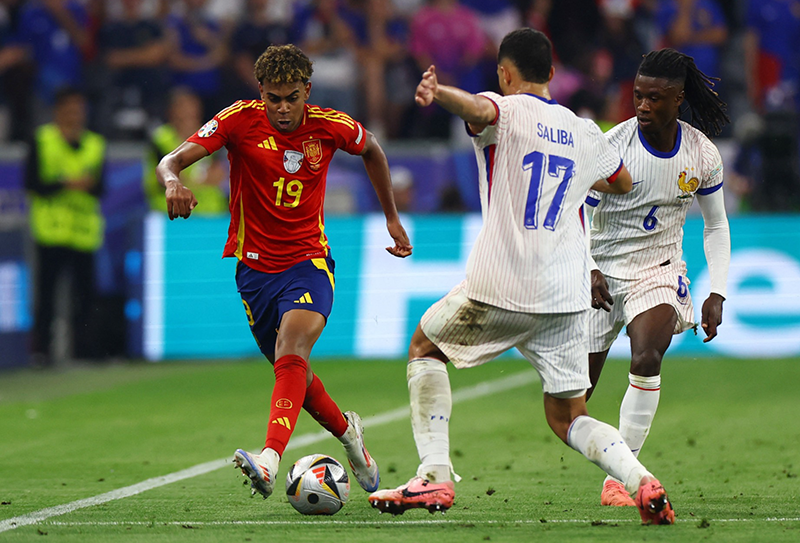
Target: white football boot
<point x="262" y="469"/>
<point x="364" y="467"/>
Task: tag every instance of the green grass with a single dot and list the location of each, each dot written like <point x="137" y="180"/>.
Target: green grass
<point x="724" y="444"/>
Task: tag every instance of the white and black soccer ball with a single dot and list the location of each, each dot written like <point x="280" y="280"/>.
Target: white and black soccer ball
<point x="317" y="485"/>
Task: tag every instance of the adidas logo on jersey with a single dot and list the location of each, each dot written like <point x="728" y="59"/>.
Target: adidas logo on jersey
<point x="269" y="143"/>
<point x="304" y="299"/>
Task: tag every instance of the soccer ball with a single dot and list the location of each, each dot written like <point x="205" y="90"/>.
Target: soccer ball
<point x="317" y="485"/>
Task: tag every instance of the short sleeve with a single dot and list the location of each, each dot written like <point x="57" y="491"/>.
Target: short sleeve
<point x="353" y="136"/>
<point x="608" y="160"/>
<point x="488" y="135"/>
<point x="712" y="169"/>
<point x="215" y="134"/>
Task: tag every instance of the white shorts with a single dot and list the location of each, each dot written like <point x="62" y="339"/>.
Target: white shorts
<point x="660" y="285"/>
<point x="472" y="333"/>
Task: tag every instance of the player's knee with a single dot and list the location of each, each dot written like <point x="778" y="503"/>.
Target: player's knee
<point x="646" y="363"/>
<point x="422" y="347"/>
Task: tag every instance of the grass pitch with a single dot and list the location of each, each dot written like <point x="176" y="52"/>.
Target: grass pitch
<point x="99" y="454"/>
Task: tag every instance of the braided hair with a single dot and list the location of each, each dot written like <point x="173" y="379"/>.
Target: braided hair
<point x="707" y="109"/>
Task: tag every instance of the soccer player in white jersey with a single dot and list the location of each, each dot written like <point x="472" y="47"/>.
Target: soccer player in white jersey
<point x="527" y="282"/>
<point x="636" y="238"/>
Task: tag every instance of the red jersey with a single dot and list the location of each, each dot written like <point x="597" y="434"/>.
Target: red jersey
<point x="278" y="180"/>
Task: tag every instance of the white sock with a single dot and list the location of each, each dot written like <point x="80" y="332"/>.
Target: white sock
<point x="602" y="444"/>
<point x="638" y="410"/>
<point x="431" y="404"/>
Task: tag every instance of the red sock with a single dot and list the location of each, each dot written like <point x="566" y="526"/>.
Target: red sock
<point x="287" y="399"/>
<point x="324" y="410"/>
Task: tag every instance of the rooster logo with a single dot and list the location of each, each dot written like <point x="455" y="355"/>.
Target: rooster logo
<point x="687" y="187"/>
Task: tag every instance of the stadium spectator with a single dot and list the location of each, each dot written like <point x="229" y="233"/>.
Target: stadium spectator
<point x="639" y="278"/>
<point x="205" y="178"/>
<point x="696" y="28"/>
<point x="326" y="31"/>
<point x="280" y="149"/>
<point x="198" y="49"/>
<point x="772" y="55"/>
<point x="133" y="50"/>
<point x="54" y="35"/>
<point x="388" y="70"/>
<point x="65" y="178"/>
<point x="772" y="63"/>
<point x="256" y="31"/>
<point x="450" y="36"/>
<point x="526" y="285"/>
<point x="16" y="77"/>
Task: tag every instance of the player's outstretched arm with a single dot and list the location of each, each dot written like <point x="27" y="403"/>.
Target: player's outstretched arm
<point x="378" y="172"/>
<point x="476" y="110"/>
<point x="620" y="183"/>
<point x="180" y="200"/>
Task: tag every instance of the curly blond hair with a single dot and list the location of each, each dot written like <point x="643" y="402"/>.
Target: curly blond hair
<point x="283" y="64"/>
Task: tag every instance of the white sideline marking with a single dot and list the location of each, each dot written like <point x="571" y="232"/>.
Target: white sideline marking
<point x="391" y="522"/>
<point x="482" y="389"/>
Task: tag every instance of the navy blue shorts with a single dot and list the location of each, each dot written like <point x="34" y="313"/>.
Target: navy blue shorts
<point x="267" y="296"/>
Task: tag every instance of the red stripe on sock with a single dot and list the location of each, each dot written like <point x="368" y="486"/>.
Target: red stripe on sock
<point x="647" y="389"/>
<point x="287" y="400"/>
<point x="321" y="406"/>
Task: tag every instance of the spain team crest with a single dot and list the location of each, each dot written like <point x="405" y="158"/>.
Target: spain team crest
<point x="292" y="160"/>
<point x="313" y="151"/>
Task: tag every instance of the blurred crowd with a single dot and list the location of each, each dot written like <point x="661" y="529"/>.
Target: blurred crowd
<point x="130" y="56"/>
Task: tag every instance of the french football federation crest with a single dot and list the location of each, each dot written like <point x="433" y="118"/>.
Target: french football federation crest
<point x="207" y="129"/>
<point x="313" y="151"/>
<point x="687" y="187"/>
<point x="292" y="160"/>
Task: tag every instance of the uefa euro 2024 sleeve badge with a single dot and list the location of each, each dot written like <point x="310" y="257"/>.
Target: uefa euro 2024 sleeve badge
<point x="207" y="129"/>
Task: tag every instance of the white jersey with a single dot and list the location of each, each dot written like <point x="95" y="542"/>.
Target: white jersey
<point x="536" y="165"/>
<point x="634" y="232"/>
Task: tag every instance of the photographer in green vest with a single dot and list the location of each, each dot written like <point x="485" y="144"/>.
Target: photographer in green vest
<point x="205" y="177"/>
<point x="65" y="179"/>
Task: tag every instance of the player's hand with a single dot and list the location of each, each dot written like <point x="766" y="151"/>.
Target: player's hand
<point x="180" y="200"/>
<point x="402" y="246"/>
<point x="712" y="315"/>
<point x="426" y="90"/>
<point x="601" y="297"/>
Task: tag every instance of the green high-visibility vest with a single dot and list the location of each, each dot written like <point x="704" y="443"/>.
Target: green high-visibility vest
<point x="68" y="218"/>
<point x="211" y="200"/>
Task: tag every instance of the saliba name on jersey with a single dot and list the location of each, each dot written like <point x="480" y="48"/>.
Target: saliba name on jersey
<point x="555" y="135"/>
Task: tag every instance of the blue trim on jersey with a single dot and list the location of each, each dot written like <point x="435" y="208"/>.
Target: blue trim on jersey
<point x="659" y="154"/>
<point x="542" y="98"/>
<point x="592" y="201"/>
<point x="487" y="156"/>
<point x="709" y="190"/>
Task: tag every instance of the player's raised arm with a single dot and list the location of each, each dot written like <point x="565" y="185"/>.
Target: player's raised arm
<point x="619" y="183"/>
<point x="180" y="200"/>
<point x="476" y="110"/>
<point x="378" y="172"/>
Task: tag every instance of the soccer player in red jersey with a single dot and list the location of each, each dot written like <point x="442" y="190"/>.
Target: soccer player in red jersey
<point x="279" y="150"/>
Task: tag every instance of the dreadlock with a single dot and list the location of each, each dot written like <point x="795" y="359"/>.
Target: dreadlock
<point x="708" y="110"/>
<point x="283" y="64"/>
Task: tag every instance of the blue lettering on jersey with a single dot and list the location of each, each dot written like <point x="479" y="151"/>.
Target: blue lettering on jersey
<point x="555" y="135"/>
